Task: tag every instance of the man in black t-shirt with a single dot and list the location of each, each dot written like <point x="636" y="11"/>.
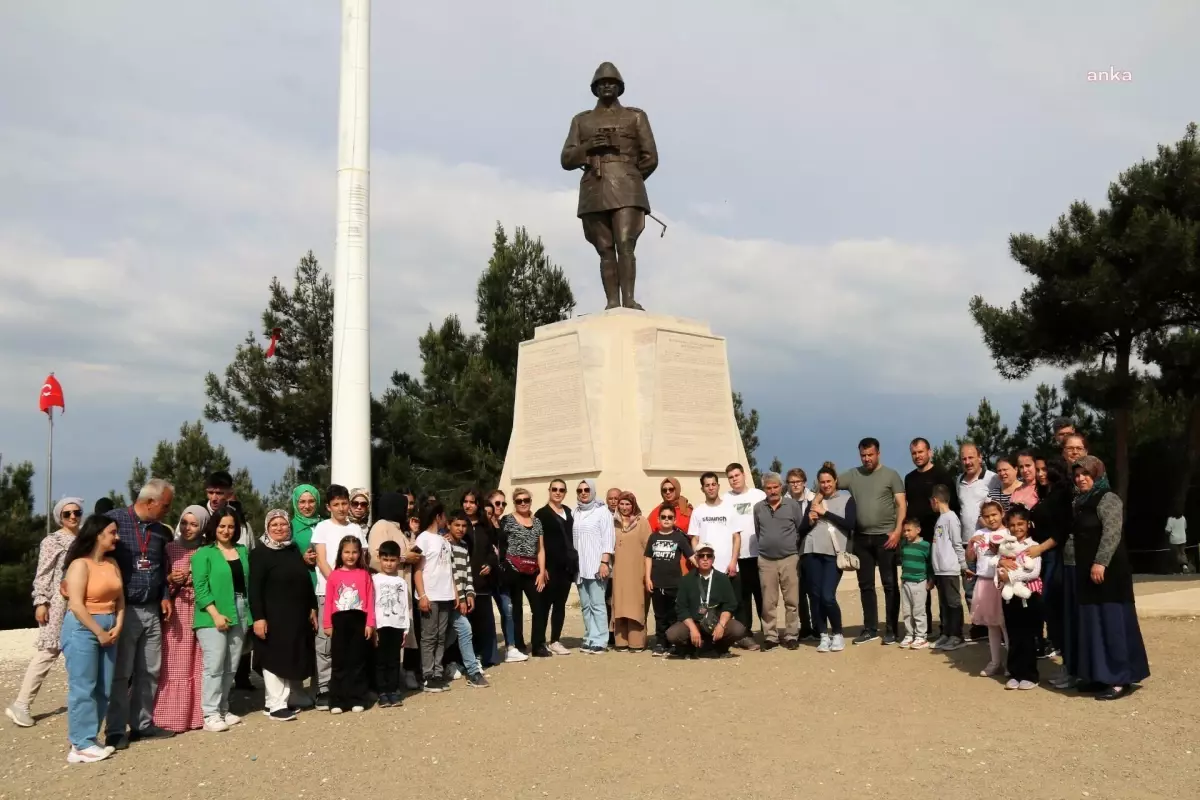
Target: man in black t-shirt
<point x="668" y="554"/>
<point x="918" y="488"/>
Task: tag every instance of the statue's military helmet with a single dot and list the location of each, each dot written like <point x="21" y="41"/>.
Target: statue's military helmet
<point x="608" y="71"/>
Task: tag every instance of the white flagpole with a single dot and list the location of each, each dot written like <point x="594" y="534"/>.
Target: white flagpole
<point x="50" y="471"/>
<point x="351" y="433"/>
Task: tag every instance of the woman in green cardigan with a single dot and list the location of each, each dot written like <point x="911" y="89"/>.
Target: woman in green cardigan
<point x="220" y="573"/>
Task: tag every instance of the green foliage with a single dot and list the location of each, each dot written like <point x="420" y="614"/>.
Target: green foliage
<point x="186" y="463"/>
<point x="747" y="424"/>
<point x="21" y="532"/>
<point x="985" y="430"/>
<point x="946" y="457"/>
<point x="285" y="402"/>
<point x="448" y="430"/>
<point x="1105" y="284"/>
<point x="776" y="466"/>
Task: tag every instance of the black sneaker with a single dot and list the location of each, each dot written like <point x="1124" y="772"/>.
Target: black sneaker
<point x="477" y="681"/>
<point x="867" y="635"/>
<point x="807" y="635"/>
<point x="541" y="652"/>
<point x="322" y="701"/>
<point x="151" y="732"/>
<point x="397" y="700"/>
<point x="978" y="633"/>
<point x="283" y="715"/>
<point x="385" y="701"/>
<point x="433" y="685"/>
<point x="659" y="651"/>
<point x="791" y="644"/>
<point x="769" y="645"/>
<point x="116" y="741"/>
<point x="889" y="638"/>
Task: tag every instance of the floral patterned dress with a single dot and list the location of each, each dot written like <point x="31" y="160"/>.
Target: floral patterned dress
<point x="46" y="582"/>
<point x="177" y="706"/>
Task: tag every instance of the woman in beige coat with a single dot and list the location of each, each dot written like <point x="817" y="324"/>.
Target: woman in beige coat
<point x="629" y="591"/>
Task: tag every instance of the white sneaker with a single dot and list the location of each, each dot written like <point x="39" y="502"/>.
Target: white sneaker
<point x="838" y="644"/>
<point x="920" y="644"/>
<point x="88" y="755"/>
<point x="1026" y="685"/>
<point x="825" y="643"/>
<point x="215" y="724"/>
<point x="906" y="642"/>
<point x="231" y="719"/>
<point x="1013" y="683"/>
<point x="357" y="709"/>
<point x="455" y="673"/>
<point x="558" y="649"/>
<point x="514" y="656"/>
<point x="335" y="710"/>
<point x="941" y="642"/>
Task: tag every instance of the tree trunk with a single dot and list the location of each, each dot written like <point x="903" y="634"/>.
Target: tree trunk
<point x="1122" y="418"/>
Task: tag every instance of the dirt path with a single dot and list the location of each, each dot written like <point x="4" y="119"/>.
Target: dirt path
<point x="870" y="721"/>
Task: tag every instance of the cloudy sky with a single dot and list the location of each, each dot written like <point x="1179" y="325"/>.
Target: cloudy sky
<point x="838" y="183"/>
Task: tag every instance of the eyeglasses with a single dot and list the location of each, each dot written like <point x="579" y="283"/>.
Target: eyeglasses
<point x="72" y="514"/>
<point x="558" y="489"/>
<point x="358" y="504"/>
<point x="523" y="501"/>
<point x="666" y="517"/>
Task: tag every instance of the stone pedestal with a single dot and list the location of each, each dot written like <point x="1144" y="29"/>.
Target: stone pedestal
<point x="625" y="397"/>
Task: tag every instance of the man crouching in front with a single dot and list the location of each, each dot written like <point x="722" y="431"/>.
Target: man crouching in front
<point x="705" y="606"/>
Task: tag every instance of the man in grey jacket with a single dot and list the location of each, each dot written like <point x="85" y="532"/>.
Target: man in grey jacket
<point x="777" y="522"/>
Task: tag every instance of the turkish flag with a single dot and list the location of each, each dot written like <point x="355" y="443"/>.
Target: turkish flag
<point x="52" y="395"/>
<point x="275" y="334"/>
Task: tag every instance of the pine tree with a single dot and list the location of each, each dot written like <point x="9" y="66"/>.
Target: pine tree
<point x="747" y="424"/>
<point x="986" y="432"/>
<point x="946" y="457"/>
<point x="21" y="531"/>
<point x="285" y="402"/>
<point x="1035" y="426"/>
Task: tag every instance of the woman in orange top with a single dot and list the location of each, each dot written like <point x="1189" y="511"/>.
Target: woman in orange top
<point x="672" y="498"/>
<point x="96" y="600"/>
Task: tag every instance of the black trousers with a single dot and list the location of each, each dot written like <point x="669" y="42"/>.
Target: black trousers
<point x="950" y="610"/>
<point x="869" y="547"/>
<point x="664" y="613"/>
<point x="1023" y="619"/>
<point x="554" y="605"/>
<point x="806" y="626"/>
<point x="348" y="652"/>
<point x="748" y="589"/>
<point x="411" y="658"/>
<point x="388" y="654"/>
<point x="526" y="585"/>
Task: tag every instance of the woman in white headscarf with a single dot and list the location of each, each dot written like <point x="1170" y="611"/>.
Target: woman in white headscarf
<point x="177" y="704"/>
<point x="594" y="535"/>
<point x="49" y="606"/>
<point x="283" y="605"/>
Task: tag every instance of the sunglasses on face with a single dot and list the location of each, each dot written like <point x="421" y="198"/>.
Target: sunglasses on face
<point x="498" y="504"/>
<point x="72" y="514"/>
<point x="666" y="517"/>
<point x="523" y="501"/>
<point x="358" y="504"/>
<point x="582" y="491"/>
<point x="558" y="489"/>
<point x="704" y="555"/>
<point x="667" y="489"/>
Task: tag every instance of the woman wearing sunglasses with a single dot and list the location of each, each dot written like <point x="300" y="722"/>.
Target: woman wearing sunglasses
<point x="524" y="565"/>
<point x="49" y="606"/>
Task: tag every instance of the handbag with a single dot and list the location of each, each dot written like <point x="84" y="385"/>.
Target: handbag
<point x="846" y="562"/>
<point x="524" y="565"/>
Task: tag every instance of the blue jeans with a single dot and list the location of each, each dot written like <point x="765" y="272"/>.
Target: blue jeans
<point x="595" y="612"/>
<point x="466" y="647"/>
<point x="504" y="603"/>
<point x="823" y="577"/>
<point x="221" y="650"/>
<point x="90" y="670"/>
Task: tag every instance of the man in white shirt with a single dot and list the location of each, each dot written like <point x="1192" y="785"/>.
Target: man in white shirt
<point x="746" y="584"/>
<point x="712" y="523"/>
<point x="974" y="486"/>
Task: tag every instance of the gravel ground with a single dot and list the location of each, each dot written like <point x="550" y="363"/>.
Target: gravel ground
<point x="870" y="721"/>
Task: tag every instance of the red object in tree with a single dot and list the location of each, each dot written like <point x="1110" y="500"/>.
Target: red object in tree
<point x="275" y="334"/>
<point x="52" y="395"/>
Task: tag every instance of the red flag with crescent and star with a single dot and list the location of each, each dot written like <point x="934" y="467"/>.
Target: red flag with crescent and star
<point x="52" y="395"/>
<point x="275" y="334"/>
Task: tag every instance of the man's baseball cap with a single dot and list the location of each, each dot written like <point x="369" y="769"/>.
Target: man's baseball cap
<point x="705" y="546"/>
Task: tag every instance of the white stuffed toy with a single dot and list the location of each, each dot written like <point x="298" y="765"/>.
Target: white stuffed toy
<point x="1010" y="547"/>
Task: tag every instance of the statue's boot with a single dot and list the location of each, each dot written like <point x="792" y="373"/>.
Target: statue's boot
<point x="608" y="276"/>
<point x="627" y="269"/>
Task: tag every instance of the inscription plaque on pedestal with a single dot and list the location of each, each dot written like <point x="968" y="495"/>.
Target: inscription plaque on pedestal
<point x="551" y="430"/>
<point x="693" y="402"/>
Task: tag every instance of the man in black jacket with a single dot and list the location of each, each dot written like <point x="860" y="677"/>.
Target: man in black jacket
<point x="562" y="564"/>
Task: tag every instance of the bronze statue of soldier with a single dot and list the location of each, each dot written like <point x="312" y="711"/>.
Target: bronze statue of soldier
<point x="614" y="146"/>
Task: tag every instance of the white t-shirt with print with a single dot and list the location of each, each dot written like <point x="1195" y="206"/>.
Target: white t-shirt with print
<point x="392" y="606"/>
<point x="714" y="525"/>
<point x="743" y="518"/>
<point x="330" y="534"/>
<point x="439" y="567"/>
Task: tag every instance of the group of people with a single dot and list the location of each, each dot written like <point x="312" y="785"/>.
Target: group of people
<point x="367" y="601"/>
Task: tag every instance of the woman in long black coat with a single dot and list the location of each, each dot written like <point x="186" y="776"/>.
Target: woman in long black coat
<point x="284" y="607"/>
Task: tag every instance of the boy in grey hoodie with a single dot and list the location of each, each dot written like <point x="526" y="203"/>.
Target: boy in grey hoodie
<point x="949" y="563"/>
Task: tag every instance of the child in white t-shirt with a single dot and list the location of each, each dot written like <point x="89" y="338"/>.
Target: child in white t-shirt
<point x="433" y="580"/>
<point x="393" y="620"/>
